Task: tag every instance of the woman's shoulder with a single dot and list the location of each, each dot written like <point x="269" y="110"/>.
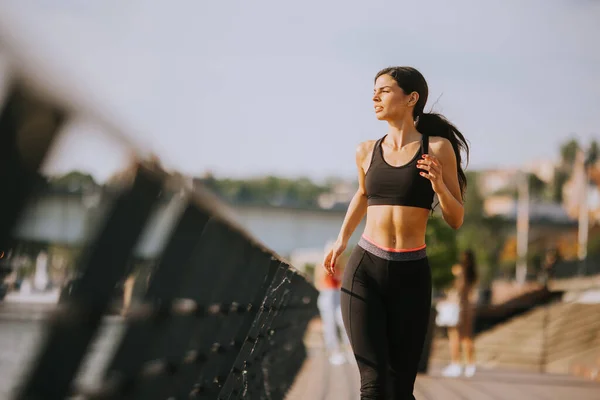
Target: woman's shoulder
<point x="439" y="141"/>
<point x="440" y="146"/>
<point x="364" y="149"/>
<point x="366" y="145"/>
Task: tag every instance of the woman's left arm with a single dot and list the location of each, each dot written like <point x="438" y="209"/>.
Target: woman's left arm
<point x="440" y="168"/>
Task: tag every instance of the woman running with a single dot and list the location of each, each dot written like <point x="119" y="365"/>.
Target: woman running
<point x="386" y="287"/>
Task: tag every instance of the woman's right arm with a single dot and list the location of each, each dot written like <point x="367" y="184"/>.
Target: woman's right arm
<point x="356" y="209"/>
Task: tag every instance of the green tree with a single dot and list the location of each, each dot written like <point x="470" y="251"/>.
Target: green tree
<point x="486" y="239"/>
<point x="473" y="201"/>
<point x="269" y="190"/>
<point x="442" y="251"/>
<point x="568" y="152"/>
<point x="483" y="234"/>
<point x="537" y="187"/>
<point x="593" y="152"/>
<point x="244" y="194"/>
<point x="561" y="176"/>
<point x="594" y="242"/>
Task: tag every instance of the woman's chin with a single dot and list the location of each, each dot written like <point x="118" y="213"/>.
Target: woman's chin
<point x="380" y="116"/>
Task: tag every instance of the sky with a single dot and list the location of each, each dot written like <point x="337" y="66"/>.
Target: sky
<point x="246" y="88"/>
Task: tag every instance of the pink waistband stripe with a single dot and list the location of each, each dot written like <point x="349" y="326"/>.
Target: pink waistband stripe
<point x="391" y="250"/>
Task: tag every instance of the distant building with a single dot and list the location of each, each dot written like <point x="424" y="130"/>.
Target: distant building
<point x="499" y="205"/>
<point x="506" y="207"/>
<point x="493" y="181"/>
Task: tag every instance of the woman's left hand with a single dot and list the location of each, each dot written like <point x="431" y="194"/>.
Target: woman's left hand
<point x="432" y="170"/>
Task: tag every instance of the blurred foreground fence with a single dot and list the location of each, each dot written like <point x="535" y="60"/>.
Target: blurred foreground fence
<point x="222" y="316"/>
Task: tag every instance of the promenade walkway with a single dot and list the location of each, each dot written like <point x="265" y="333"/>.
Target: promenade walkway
<point x="318" y="380"/>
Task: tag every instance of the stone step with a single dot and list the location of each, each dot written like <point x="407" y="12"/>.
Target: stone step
<point x="522" y="344"/>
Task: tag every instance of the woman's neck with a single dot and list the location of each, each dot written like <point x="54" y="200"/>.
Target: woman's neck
<point x="401" y="133"/>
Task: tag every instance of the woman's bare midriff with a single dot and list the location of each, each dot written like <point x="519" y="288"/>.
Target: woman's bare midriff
<point x="396" y="227"/>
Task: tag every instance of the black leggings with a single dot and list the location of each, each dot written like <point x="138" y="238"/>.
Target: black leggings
<point x="386" y="301"/>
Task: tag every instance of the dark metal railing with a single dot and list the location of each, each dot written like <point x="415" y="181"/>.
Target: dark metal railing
<point x="222" y="317"/>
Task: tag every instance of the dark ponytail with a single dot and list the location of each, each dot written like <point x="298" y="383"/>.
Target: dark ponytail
<point x="430" y="124"/>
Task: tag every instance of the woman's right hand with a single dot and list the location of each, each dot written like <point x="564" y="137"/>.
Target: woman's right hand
<point x="333" y="255"/>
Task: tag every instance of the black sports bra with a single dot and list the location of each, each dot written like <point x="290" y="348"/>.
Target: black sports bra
<point x="398" y="186"/>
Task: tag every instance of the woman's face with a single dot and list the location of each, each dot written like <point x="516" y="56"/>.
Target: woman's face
<point x="390" y="101"/>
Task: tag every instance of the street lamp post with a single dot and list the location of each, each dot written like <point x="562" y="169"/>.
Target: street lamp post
<point x="584" y="217"/>
<point x="522" y="227"/>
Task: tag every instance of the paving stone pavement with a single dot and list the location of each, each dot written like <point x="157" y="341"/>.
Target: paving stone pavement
<point x="319" y="380"/>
